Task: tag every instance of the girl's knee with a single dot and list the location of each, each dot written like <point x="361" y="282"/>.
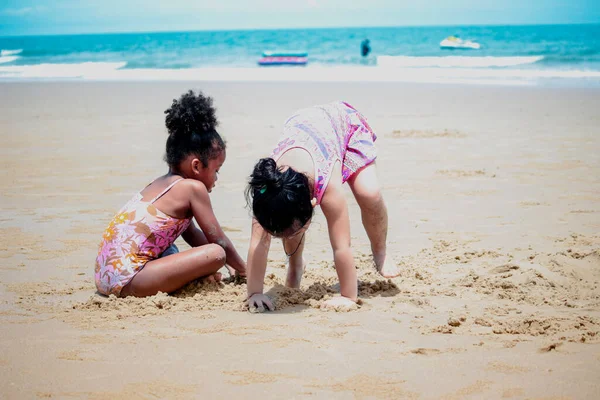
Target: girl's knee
<point x="370" y="197"/>
<point x="216" y="253"/>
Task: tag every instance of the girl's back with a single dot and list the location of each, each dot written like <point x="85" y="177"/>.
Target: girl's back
<point x="329" y="132"/>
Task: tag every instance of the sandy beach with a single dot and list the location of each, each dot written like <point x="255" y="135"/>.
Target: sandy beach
<point x="494" y="203"/>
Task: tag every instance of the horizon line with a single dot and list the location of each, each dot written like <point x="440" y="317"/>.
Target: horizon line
<point x="296" y="28"/>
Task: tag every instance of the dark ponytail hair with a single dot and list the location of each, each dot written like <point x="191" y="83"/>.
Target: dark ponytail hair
<point x="281" y="200"/>
<point x="191" y="124"/>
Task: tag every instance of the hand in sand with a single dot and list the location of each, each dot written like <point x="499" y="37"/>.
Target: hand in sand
<point x="340" y="303"/>
<point x="240" y="279"/>
<point x="237" y="277"/>
<point x="259" y="302"/>
<point x="233" y="272"/>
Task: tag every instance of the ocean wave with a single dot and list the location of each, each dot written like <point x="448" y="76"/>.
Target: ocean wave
<point x="10" y="52"/>
<point x="571" y="59"/>
<point x="7" y="59"/>
<point x="80" y="70"/>
<point x="455" y="61"/>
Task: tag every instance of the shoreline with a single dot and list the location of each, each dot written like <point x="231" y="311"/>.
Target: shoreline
<point x="115" y="72"/>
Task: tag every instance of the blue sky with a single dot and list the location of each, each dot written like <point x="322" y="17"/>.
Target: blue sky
<point x="27" y="17"/>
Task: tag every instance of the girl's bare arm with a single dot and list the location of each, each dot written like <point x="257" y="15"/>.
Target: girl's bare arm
<point x="258" y="251"/>
<point x="257" y="265"/>
<point x="194" y="236"/>
<point x="203" y="213"/>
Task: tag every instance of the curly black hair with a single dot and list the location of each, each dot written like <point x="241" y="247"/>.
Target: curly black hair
<point x="280" y="200"/>
<point x="191" y="123"/>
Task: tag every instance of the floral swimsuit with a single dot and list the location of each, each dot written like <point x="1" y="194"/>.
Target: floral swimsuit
<point x="137" y="234"/>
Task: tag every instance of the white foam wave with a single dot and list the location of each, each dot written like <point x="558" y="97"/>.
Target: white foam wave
<point x="86" y="70"/>
<point x="343" y="74"/>
<point x="454" y="61"/>
<point x="114" y="72"/>
<point x="10" y="52"/>
<point x="7" y="59"/>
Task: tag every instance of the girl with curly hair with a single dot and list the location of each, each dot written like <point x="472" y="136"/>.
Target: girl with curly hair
<point x="137" y="256"/>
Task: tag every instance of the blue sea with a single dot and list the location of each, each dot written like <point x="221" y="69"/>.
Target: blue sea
<point x="507" y="55"/>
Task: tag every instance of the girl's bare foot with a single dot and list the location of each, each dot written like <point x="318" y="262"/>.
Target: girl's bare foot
<point x="214" y="278"/>
<point x="385" y="269"/>
<point x="339" y="303"/>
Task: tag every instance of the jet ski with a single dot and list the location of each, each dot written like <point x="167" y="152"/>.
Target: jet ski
<point x="454" y="42"/>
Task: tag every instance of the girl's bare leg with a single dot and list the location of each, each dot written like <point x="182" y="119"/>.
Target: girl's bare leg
<point x="172" y="272"/>
<point x="366" y="190"/>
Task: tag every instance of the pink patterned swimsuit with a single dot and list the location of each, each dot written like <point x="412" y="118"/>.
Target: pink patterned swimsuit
<point x="137" y="234"/>
<point x="330" y="133"/>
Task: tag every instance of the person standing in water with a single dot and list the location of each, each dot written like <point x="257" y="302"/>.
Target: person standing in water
<point x="365" y="48"/>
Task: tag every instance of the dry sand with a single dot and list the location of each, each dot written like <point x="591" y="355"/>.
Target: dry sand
<point x="494" y="202"/>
